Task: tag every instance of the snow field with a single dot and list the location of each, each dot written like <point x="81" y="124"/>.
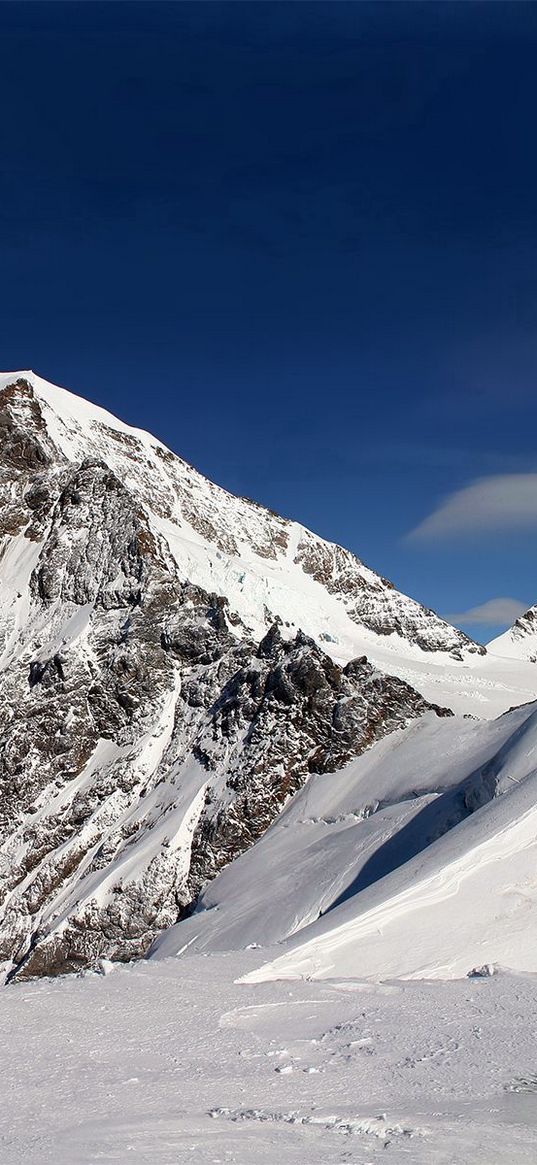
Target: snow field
<point x="174" y="1063"/>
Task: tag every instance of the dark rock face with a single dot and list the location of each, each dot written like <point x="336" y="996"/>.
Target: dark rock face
<point x="96" y="545"/>
<point x="24" y="458"/>
<point x="289" y="712"/>
<point x="146" y="738"/>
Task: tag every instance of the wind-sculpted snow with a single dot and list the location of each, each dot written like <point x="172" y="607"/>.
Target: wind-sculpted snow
<point x="175" y="665"/>
<point x="347" y="834"/>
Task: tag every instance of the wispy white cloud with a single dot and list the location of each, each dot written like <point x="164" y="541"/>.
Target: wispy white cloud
<point x="503" y="502"/>
<point x="494" y="613"/>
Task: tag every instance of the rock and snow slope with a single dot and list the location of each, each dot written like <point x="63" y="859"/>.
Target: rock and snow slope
<point x="175" y="663"/>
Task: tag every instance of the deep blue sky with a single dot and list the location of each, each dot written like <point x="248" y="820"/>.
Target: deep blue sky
<point x="296" y="241"/>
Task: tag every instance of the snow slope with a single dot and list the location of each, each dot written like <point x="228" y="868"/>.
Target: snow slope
<point x="345" y="829"/>
<point x="468" y="899"/>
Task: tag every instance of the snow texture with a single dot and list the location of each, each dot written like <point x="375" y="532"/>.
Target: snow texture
<point x="174" y="1063"/>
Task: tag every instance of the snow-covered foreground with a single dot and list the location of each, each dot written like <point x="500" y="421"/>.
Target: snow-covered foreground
<point x="167" y="1062"/>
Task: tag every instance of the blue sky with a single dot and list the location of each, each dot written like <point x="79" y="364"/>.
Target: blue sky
<point x="298" y="242"/>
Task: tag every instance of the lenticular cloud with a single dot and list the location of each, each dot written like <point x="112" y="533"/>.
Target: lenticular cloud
<point x="493" y="613"/>
<point x="493" y="503"/>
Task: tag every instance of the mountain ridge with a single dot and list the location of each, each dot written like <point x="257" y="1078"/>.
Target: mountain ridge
<point x="271" y="536"/>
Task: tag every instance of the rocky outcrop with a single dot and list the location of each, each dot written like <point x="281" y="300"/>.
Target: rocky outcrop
<point x="289" y="712"/>
<point x="374" y="603"/>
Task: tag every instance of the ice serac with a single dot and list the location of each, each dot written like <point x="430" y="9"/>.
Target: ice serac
<point x="175" y="663"/>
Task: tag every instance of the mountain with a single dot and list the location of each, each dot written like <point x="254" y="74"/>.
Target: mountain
<point x="520" y="641"/>
<point x="266" y="566"/>
<point x="175" y="664"/>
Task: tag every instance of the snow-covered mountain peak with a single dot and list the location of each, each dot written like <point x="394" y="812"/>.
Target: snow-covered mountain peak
<point x="268" y="567"/>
